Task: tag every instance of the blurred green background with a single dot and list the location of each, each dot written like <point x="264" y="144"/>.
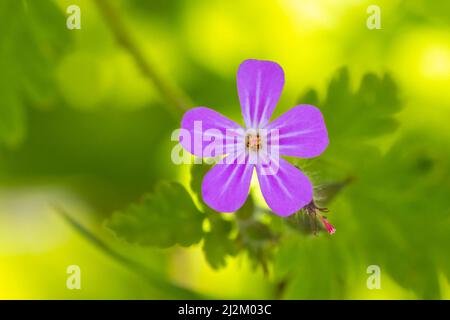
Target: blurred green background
<point x="85" y="131"/>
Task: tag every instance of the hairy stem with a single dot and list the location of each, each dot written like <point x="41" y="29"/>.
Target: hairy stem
<point x="173" y="95"/>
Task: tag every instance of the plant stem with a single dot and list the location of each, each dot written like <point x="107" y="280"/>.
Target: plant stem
<point x="177" y="99"/>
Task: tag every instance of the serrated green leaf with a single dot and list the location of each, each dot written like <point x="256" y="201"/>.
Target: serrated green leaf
<point x="165" y="218"/>
<point x="356" y="116"/>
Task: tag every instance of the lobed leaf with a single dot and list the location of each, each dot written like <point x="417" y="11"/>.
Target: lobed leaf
<point x="165" y="218"/>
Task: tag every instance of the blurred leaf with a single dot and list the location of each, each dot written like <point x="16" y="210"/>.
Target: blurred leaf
<point x="33" y="37"/>
<point x="353" y="119"/>
<point x="395" y="207"/>
<point x="310" y="97"/>
<point x="198" y="171"/>
<point x="325" y="193"/>
<point x="247" y="210"/>
<point x="12" y="118"/>
<point x="373" y="105"/>
<point x="405" y="203"/>
<point x="155" y="279"/>
<point x="312" y="268"/>
<point x="258" y="240"/>
<point x="162" y="219"/>
<point x="84" y="80"/>
<point x="217" y="242"/>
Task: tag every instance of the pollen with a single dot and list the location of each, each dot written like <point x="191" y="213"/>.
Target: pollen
<point x="253" y="142"/>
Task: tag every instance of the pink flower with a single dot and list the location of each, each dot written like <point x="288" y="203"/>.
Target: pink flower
<point x="300" y="132"/>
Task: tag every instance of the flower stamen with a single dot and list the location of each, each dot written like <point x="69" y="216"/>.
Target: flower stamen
<point x="253" y="142"/>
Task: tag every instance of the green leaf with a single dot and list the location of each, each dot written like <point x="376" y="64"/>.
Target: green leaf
<point x="310" y="97"/>
<point x="394" y="213"/>
<point x="218" y="244"/>
<point x="373" y="105"/>
<point x="247" y="210"/>
<point x="33" y="38"/>
<point x="354" y="120"/>
<point x="12" y="119"/>
<point x="257" y="239"/>
<point x="198" y="171"/>
<point x="165" y="218"/>
<point x="405" y="203"/>
<point x="312" y="268"/>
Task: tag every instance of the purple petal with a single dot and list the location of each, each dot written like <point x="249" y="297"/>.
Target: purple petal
<point x="226" y="186"/>
<point x="205" y="127"/>
<point x="286" y="191"/>
<point x="302" y="132"/>
<point x="259" y="87"/>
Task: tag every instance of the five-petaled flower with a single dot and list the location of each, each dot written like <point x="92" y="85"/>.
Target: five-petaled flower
<point x="301" y="132"/>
